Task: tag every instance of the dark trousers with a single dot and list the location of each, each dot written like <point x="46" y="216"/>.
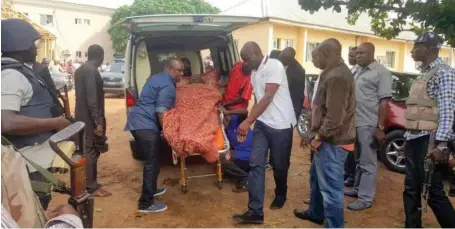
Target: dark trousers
<point x="350" y="166"/>
<point x="279" y="142"/>
<point x="452" y="182"/>
<point x="149" y="143"/>
<point x="415" y="151"/>
<point x="92" y="154"/>
<point x="236" y="169"/>
<point x="44" y="198"/>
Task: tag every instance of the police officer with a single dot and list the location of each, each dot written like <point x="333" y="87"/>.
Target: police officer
<point x="430" y="111"/>
<point x="29" y="114"/>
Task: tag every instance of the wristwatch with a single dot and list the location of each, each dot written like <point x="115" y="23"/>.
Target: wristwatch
<point x="381" y="127"/>
<point x="443" y="149"/>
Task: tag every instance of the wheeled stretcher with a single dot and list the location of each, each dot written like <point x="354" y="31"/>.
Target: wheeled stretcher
<point x="223" y="149"/>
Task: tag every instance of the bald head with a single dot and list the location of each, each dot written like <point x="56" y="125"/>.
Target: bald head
<point x="251" y="55"/>
<point x="287" y="56"/>
<point x="175" y="67"/>
<point x="173" y="62"/>
<point x="365" y="54"/>
<point x="332" y="46"/>
<point x="367" y="45"/>
<point x="328" y="53"/>
<point x="251" y="47"/>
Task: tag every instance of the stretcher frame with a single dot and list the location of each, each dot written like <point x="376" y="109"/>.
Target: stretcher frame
<point x="183" y="177"/>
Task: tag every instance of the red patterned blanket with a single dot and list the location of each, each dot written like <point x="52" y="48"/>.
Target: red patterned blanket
<point x="190" y="127"/>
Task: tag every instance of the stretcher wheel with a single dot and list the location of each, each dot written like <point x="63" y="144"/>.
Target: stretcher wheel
<point x="219" y="184"/>
<point x="184" y="189"/>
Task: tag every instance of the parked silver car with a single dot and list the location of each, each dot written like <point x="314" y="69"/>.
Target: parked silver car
<point x="113" y="78"/>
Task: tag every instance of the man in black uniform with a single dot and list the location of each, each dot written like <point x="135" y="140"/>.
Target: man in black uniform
<point x="296" y="79"/>
<point x="30" y="116"/>
<point x="90" y="110"/>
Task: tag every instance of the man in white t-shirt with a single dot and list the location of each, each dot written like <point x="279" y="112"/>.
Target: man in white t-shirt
<point x="274" y="119"/>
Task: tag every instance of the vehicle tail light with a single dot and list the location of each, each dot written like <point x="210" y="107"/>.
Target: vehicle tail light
<point x="130" y="101"/>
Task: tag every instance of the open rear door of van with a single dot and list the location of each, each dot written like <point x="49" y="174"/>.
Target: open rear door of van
<point x="188" y="30"/>
<point x="177" y="24"/>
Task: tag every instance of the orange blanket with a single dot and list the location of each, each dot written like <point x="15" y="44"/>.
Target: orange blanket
<point x="190" y="127"/>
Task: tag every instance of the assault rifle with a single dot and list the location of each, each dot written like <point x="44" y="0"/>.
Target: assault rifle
<point x="428" y="167"/>
<point x="80" y="199"/>
<point x="63" y="95"/>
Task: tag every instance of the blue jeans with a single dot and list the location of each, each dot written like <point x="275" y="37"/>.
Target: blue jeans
<point x="279" y="142"/>
<point x="326" y="185"/>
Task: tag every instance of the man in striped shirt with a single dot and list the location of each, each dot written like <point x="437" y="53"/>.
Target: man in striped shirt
<point x="441" y="88"/>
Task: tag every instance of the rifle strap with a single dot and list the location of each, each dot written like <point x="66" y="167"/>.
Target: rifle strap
<point x="37" y="185"/>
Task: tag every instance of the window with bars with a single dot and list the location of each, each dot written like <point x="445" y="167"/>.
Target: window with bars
<point x="276" y="43"/>
<point x="79" y="54"/>
<point x="310" y="46"/>
<point x="46" y="19"/>
<point x="77" y="21"/>
<point x="87" y="21"/>
<point x="288" y="43"/>
<point x="390" y="59"/>
<point x="381" y="60"/>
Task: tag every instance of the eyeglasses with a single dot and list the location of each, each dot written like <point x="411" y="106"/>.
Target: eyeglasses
<point x="178" y="69"/>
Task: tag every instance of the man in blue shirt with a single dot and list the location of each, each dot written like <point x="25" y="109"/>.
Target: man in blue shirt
<point x="145" y="122"/>
<point x="238" y="166"/>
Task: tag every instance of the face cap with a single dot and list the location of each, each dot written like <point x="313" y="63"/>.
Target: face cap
<point x="431" y="39"/>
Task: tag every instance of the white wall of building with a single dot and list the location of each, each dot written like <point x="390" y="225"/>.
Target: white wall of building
<point x="72" y="38"/>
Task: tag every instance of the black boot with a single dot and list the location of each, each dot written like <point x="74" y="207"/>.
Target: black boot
<point x="301" y="214"/>
<point x="249" y="218"/>
<point x="278" y="203"/>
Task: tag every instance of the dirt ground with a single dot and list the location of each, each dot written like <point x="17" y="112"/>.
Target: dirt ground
<point x="205" y="205"/>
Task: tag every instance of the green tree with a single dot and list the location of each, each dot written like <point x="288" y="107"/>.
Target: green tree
<point x="390" y="17"/>
<point x="119" y="35"/>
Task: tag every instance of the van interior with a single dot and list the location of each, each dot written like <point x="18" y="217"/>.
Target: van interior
<point x="152" y="55"/>
<point x="155" y="39"/>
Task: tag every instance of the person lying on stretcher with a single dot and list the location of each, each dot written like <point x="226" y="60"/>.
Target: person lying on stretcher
<point x="191" y="127"/>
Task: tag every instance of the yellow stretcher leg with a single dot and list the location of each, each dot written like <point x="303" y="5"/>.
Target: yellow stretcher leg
<point x="219" y="174"/>
<point x="183" y="175"/>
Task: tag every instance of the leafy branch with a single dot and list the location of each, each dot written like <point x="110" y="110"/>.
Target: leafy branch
<point x="390" y="17"/>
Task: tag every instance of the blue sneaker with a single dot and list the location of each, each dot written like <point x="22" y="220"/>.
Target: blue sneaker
<point x="154" y="208"/>
<point x="159" y="192"/>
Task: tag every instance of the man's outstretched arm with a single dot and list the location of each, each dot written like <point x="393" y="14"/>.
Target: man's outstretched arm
<point x="15" y="124"/>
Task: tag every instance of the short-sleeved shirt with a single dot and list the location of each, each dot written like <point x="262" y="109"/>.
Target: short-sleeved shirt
<point x="280" y="112"/>
<point x="158" y="96"/>
<point x="373" y="83"/>
<point x="16" y="89"/>
<point x="239" y="85"/>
